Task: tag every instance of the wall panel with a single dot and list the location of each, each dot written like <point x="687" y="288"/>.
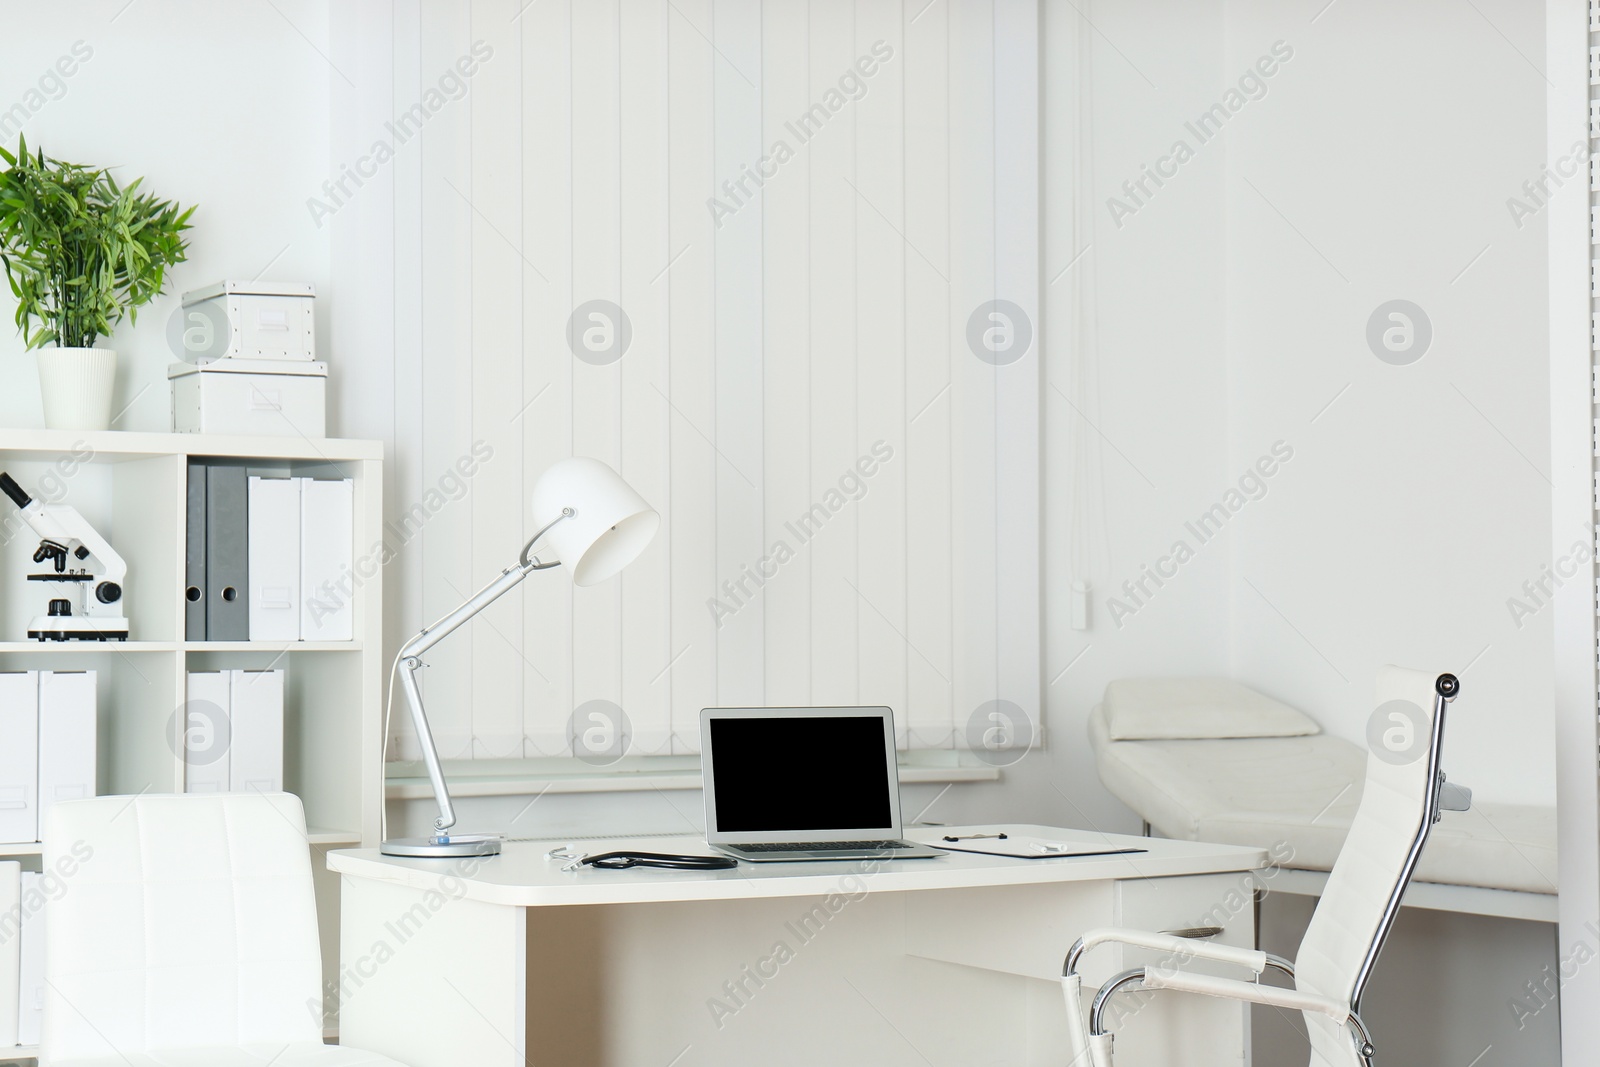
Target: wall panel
<point x="494" y="108"/>
<point x="545" y="409"/>
<point x="449" y="574"/>
<point x="645" y="252"/>
<point x="735" y="248"/>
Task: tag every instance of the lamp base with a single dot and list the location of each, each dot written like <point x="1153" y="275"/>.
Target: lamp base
<point x="443" y="847"/>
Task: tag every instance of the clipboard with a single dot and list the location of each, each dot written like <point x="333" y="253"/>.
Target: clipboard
<point x="1025" y="847"/>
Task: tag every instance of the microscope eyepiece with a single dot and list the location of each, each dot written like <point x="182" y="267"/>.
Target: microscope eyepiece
<point x="14" y="491"/>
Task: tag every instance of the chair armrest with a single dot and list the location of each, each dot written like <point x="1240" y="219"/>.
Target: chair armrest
<point x="1180" y="947"/>
<point x="1233" y="989"/>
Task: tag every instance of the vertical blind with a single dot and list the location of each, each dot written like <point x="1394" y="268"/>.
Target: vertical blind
<point x="777" y="262"/>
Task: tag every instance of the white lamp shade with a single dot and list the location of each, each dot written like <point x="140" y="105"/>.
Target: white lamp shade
<point x="612" y="524"/>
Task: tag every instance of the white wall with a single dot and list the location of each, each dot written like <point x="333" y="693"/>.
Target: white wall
<point x="1418" y="503"/>
<point x="1208" y="330"/>
<point x="1216" y="336"/>
<point x="170" y="94"/>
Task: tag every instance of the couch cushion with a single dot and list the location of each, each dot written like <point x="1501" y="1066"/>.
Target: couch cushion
<point x="1141" y="709"/>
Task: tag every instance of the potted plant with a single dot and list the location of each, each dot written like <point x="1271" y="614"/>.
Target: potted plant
<point x="80" y="252"/>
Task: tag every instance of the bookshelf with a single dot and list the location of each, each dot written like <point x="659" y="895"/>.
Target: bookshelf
<point x="131" y="486"/>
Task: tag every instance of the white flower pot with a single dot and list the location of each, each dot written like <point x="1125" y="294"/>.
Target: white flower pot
<point x="77" y="384"/>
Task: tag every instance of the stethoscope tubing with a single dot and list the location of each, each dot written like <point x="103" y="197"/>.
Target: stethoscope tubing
<point x="619" y="861"/>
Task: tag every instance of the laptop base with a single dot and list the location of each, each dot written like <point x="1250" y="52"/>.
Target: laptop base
<point x="799" y="853"/>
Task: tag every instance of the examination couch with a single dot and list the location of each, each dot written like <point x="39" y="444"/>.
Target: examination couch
<point x="1210" y="759"/>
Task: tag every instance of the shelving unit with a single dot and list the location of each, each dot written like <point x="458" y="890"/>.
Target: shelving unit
<point x="131" y="486"/>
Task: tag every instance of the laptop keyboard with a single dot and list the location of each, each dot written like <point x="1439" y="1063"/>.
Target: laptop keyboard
<point x="825" y="846"/>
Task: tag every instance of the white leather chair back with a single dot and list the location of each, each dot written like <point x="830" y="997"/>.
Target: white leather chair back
<point x="179" y="921"/>
<point x="1350" y="917"/>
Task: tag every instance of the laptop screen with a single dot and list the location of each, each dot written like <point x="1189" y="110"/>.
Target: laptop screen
<point x="798" y="773"/>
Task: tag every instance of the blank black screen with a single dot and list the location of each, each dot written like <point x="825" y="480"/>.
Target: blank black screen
<point x="800" y="774"/>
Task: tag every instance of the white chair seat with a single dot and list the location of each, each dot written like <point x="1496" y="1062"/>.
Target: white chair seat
<point x="241" y="1056"/>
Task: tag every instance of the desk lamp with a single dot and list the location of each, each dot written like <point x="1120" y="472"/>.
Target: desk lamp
<point x="596" y="525"/>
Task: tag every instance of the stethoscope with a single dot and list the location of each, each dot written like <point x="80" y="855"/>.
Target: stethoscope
<point x="621" y="861"/>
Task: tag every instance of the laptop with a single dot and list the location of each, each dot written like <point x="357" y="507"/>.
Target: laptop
<point x="785" y="784"/>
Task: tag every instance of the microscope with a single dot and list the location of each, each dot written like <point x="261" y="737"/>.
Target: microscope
<point x="82" y="565"/>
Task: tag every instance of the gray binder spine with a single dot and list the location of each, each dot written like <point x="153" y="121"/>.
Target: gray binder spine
<point x="227" y="554"/>
<point x="194" y="565"/>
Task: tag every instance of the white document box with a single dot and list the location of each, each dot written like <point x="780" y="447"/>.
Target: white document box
<point x="255" y="715"/>
<point x="249" y="320"/>
<point x="207" y="733"/>
<point x="67" y="721"/>
<point x="273" y="398"/>
<point x="19" y="757"/>
<point x="327" y="559"/>
<point x="30" y="965"/>
<point x="10" y="951"/>
<point x="274" y="558"/>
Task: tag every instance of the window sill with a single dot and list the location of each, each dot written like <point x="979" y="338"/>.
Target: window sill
<point x="631" y="780"/>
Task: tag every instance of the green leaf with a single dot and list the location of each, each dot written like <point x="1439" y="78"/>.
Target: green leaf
<point x="79" y="251"/>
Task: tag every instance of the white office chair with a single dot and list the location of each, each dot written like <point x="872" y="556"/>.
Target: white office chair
<point x="184" y="934"/>
<point x="1399" y="805"/>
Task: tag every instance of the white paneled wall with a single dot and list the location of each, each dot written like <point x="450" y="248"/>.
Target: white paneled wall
<point x="800" y="209"/>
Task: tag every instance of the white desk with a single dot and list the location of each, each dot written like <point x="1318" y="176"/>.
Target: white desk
<point x="508" y="961"/>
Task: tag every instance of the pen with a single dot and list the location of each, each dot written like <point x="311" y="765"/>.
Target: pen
<point x="976" y="837"/>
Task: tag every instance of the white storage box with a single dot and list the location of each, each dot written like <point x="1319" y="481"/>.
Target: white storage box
<point x="250" y="320"/>
<point x="270" y="397"/>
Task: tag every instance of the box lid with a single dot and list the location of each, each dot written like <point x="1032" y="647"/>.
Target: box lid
<point x="293" y="367"/>
<point x="211" y="292"/>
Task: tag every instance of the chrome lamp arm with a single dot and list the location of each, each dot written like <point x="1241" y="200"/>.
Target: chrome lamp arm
<point x="410" y="658"/>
